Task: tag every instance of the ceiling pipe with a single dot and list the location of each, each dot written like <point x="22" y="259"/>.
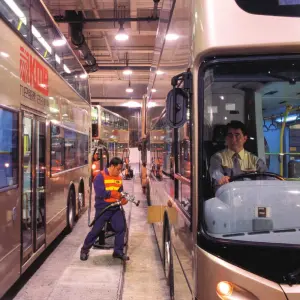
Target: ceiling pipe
<point x="117" y="68"/>
<point x="78" y="40"/>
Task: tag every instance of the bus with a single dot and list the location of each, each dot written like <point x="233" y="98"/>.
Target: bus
<point x="111" y="130"/>
<point x="44" y="136"/>
<point x="217" y="62"/>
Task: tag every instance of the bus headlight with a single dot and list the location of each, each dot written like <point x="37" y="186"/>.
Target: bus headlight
<point x="229" y="291"/>
<point x="224" y="289"/>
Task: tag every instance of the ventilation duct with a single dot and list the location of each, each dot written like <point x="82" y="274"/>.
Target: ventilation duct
<point x="78" y="40"/>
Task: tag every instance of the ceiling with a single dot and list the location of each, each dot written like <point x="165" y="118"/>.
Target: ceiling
<point x="108" y="83"/>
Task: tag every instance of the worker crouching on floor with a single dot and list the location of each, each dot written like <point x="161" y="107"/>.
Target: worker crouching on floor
<point x="108" y="186"/>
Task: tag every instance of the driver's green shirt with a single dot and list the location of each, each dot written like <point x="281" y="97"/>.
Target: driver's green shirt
<point x="221" y="163"/>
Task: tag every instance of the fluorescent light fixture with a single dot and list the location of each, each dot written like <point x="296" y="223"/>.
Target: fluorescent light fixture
<point x="153" y="90"/>
<point x="129" y="90"/>
<point x="290" y="118"/>
<point x="15" y="8"/>
<point x="121" y="35"/>
<point x="132" y="104"/>
<point x="151" y="104"/>
<point x="39" y="37"/>
<point x="57" y="58"/>
<point x="83" y="76"/>
<point x="54" y="110"/>
<point x="4" y="54"/>
<point x="59" y="43"/>
<point x="67" y="70"/>
<point x="127" y="72"/>
<point x="158" y="72"/>
<point x="172" y="37"/>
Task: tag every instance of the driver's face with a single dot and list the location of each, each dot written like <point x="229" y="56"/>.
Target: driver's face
<point x="235" y="140"/>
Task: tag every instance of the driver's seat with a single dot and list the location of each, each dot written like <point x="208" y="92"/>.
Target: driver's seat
<point x="210" y="148"/>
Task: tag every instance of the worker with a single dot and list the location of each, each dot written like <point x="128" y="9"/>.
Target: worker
<point x="108" y="187"/>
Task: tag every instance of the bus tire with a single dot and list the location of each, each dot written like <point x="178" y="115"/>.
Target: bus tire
<point x="168" y="258"/>
<point x="71" y="210"/>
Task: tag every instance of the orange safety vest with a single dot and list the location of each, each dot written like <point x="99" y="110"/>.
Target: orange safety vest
<point x="111" y="183"/>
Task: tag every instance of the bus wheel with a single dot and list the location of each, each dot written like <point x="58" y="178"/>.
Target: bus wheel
<point x="70" y="211"/>
<point x="168" y="260"/>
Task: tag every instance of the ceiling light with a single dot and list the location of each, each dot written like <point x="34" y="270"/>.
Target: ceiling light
<point x="222" y="97"/>
<point x="57" y="58"/>
<point x="132" y="104"/>
<point x="172" y="37"/>
<point x="127" y="72"/>
<point x="121" y="35"/>
<point x="153" y="90"/>
<point x="4" y="54"/>
<point x="83" y="76"/>
<point x="129" y="90"/>
<point x="67" y="70"/>
<point x="289" y="118"/>
<point x="15" y="8"/>
<point x="54" y="109"/>
<point x="158" y="72"/>
<point x="59" y="42"/>
<point x="39" y="37"/>
<point x="151" y="104"/>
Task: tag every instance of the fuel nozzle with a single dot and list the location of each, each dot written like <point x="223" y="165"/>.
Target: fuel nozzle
<point x="130" y="198"/>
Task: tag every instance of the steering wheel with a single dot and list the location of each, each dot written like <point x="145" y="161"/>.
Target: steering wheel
<point x="253" y="175"/>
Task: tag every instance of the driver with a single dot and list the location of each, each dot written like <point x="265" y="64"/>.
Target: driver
<point x="234" y="160"/>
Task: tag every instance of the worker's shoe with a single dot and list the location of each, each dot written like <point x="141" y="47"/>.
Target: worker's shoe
<point x="84" y="254"/>
<point x="122" y="256"/>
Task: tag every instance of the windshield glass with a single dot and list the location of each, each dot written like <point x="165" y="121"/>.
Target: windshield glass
<point x="251" y="150"/>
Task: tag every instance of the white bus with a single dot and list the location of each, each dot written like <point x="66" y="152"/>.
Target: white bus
<point x="44" y="136"/>
<point x="229" y="60"/>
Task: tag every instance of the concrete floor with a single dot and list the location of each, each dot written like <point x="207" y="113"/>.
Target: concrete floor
<point x="64" y="276"/>
<point x="144" y="276"/>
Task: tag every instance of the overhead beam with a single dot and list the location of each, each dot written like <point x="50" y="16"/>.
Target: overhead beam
<point x="62" y="19"/>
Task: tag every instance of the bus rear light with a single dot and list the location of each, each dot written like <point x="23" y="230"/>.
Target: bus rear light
<point x="224" y="289"/>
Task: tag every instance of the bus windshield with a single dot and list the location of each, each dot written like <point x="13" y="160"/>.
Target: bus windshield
<point x="251" y="149"/>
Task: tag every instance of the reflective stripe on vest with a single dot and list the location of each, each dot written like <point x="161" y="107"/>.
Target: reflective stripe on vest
<point x="111" y="183"/>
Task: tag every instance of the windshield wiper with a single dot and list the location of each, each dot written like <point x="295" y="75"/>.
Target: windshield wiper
<point x="292" y="278"/>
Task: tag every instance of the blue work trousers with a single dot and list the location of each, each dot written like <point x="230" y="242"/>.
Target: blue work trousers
<point x="117" y="219"/>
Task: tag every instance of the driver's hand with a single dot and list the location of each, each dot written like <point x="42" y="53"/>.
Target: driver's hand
<point x="224" y="180"/>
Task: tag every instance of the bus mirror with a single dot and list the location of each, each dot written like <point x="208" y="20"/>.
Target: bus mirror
<point x="176" y="108"/>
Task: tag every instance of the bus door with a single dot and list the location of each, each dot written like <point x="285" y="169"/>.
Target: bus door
<point x="33" y="184"/>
